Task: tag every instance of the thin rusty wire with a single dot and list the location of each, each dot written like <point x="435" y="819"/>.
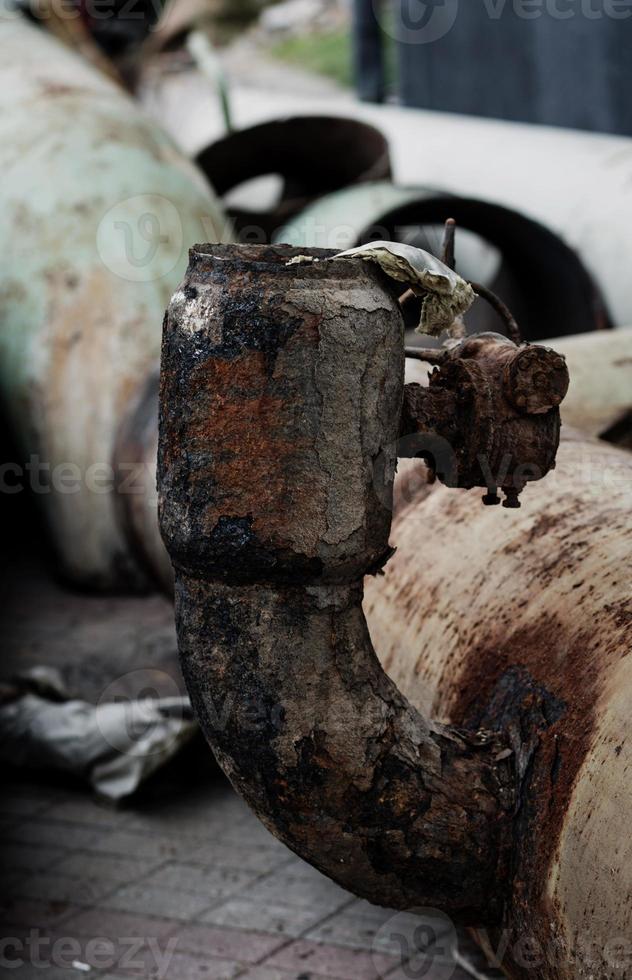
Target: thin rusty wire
<point x="448" y="258"/>
<point x="431" y="355"/>
<point x="513" y="330"/>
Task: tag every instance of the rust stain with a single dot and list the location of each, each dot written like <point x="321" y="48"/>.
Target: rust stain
<point x="235" y="428"/>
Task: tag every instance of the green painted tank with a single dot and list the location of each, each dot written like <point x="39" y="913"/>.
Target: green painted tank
<point x="98" y="211"/>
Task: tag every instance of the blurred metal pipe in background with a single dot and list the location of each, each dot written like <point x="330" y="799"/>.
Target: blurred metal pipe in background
<point x="99" y="209"/>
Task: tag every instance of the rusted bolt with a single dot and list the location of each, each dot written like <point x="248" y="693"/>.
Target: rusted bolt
<point x="536" y="379"/>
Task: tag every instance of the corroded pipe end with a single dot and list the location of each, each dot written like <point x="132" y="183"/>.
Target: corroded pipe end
<point x="276" y="404"/>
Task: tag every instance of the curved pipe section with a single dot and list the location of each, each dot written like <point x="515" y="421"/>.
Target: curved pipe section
<point x="332" y="758"/>
<point x="276" y="403"/>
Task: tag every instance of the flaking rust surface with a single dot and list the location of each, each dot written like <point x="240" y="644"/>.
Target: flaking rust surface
<point x="268" y="609"/>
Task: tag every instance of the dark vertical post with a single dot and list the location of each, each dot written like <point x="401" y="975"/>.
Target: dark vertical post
<point x="368" y="52"/>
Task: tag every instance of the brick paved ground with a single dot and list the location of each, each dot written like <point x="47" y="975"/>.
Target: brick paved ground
<point x="185" y="886"/>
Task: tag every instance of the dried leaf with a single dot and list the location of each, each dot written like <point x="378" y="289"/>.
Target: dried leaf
<point x="445" y="295"/>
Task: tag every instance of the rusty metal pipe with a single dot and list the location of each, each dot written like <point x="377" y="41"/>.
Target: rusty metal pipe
<point x="281" y="406"/>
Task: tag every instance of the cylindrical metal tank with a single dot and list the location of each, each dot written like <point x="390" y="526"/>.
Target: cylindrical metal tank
<point x="98" y="211"/>
<point x="522" y="621"/>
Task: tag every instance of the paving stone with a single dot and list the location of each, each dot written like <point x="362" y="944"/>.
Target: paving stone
<point x="186" y="967"/>
<point x="124" y="843"/>
<point x="242" y="913"/>
<point x="169" y="904"/>
<point x="88" y="811"/>
<point x="13" y="949"/>
<point x="214" y="883"/>
<point x="29" y="857"/>
<point x="315" y="891"/>
<point x="29" y="972"/>
<point x="206" y="814"/>
<point x="345" y="930"/>
<point x="241" y="857"/>
<point x="362" y="932"/>
<point x="130" y="955"/>
<point x="70" y="836"/>
<point x="24" y="912"/>
<point x="116" y="925"/>
<point x="331" y="961"/>
<point x="273" y="973"/>
<point x="245" y="946"/>
<point x="183" y="966"/>
<point x="106" y="867"/>
<point x="250" y="831"/>
<point x="441" y="971"/>
<point x="96" y="952"/>
<point x="366" y="910"/>
<point x="147" y="961"/>
<point x="295" y="867"/>
<point x="54" y="887"/>
<point x="263" y="913"/>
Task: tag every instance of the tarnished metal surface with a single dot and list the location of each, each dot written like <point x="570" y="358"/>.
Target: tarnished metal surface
<point x="281" y="397"/>
<point x="484" y="617"/>
<point x="488" y="416"/>
<point x="281" y="406"/>
<point x="599" y="398"/>
<point x="98" y="211"/>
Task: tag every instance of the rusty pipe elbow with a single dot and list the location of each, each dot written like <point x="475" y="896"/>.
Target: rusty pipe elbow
<point x="281" y="387"/>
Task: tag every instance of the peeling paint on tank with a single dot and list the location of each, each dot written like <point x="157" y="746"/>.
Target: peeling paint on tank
<point x="543" y="590"/>
<point x="88" y="282"/>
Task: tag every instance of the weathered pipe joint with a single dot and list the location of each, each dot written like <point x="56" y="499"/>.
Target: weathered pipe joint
<point x="281" y="388"/>
<point x="489" y="416"/>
